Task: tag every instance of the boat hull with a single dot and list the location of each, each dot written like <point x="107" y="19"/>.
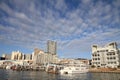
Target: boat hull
<point x="73" y="71"/>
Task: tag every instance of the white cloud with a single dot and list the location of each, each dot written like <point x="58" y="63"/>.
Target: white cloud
<point x="75" y="30"/>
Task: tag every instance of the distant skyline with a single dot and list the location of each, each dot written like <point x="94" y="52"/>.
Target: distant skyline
<point x="74" y="24"/>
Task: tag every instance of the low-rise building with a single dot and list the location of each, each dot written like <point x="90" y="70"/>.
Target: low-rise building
<point x="69" y="61"/>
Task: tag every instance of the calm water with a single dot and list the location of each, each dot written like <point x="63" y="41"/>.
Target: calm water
<point x="39" y="75"/>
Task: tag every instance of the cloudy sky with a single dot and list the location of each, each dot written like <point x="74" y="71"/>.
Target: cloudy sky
<point x="74" y="24"/>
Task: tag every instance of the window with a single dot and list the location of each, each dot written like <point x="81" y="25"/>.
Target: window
<point x="106" y="50"/>
<point x="113" y="53"/>
<point x="97" y="51"/>
<point x="114" y="62"/>
<point x="114" y="57"/>
<point x="110" y="57"/>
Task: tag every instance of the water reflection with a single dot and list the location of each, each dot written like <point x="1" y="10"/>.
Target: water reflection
<point x="37" y="75"/>
<point x="104" y="76"/>
<point x="74" y="76"/>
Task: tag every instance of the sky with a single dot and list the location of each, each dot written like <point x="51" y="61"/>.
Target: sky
<point x="74" y="24"/>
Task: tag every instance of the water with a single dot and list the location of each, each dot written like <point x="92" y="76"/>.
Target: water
<point x="40" y="75"/>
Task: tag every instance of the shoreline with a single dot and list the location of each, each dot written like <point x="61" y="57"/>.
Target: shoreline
<point x="104" y="70"/>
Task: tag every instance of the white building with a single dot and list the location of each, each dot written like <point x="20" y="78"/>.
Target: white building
<point x="16" y="55"/>
<point x="107" y="56"/>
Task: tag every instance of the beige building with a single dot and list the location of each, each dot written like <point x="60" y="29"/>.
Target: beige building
<point x="107" y="56"/>
<point x="41" y="58"/>
<point x="16" y="55"/>
<point x="27" y="57"/>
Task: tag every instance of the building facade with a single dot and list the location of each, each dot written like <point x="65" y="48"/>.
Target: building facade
<point x="42" y="58"/>
<point x="27" y="57"/>
<point x="16" y="55"/>
<point x="51" y="47"/>
<point x="107" y="56"/>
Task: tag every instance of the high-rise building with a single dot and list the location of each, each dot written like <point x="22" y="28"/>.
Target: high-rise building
<point x="107" y="56"/>
<point x="51" y="47"/>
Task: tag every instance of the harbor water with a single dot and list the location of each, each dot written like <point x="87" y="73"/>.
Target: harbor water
<point x="41" y="75"/>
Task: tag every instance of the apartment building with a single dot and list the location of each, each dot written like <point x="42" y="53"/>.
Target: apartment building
<point x="106" y="56"/>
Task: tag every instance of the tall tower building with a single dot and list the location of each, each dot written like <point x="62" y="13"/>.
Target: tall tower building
<point x="51" y="47"/>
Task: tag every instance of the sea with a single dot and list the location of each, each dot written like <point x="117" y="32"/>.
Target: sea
<point x="42" y="75"/>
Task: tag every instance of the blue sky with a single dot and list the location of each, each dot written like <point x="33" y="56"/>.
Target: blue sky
<point x="74" y="24"/>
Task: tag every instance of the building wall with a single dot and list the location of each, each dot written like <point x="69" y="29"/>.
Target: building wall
<point x="16" y="55"/>
<point x="27" y="57"/>
<point x="44" y="58"/>
<point x="36" y="55"/>
<point x="107" y="56"/>
<point x="52" y="47"/>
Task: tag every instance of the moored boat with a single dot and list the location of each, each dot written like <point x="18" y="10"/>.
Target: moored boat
<point x="74" y="68"/>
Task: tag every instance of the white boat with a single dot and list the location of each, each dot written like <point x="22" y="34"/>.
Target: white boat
<point x="74" y="68"/>
<point x="52" y="68"/>
<point x="8" y="67"/>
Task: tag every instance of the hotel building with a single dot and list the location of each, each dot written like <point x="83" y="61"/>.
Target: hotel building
<point x="107" y="56"/>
